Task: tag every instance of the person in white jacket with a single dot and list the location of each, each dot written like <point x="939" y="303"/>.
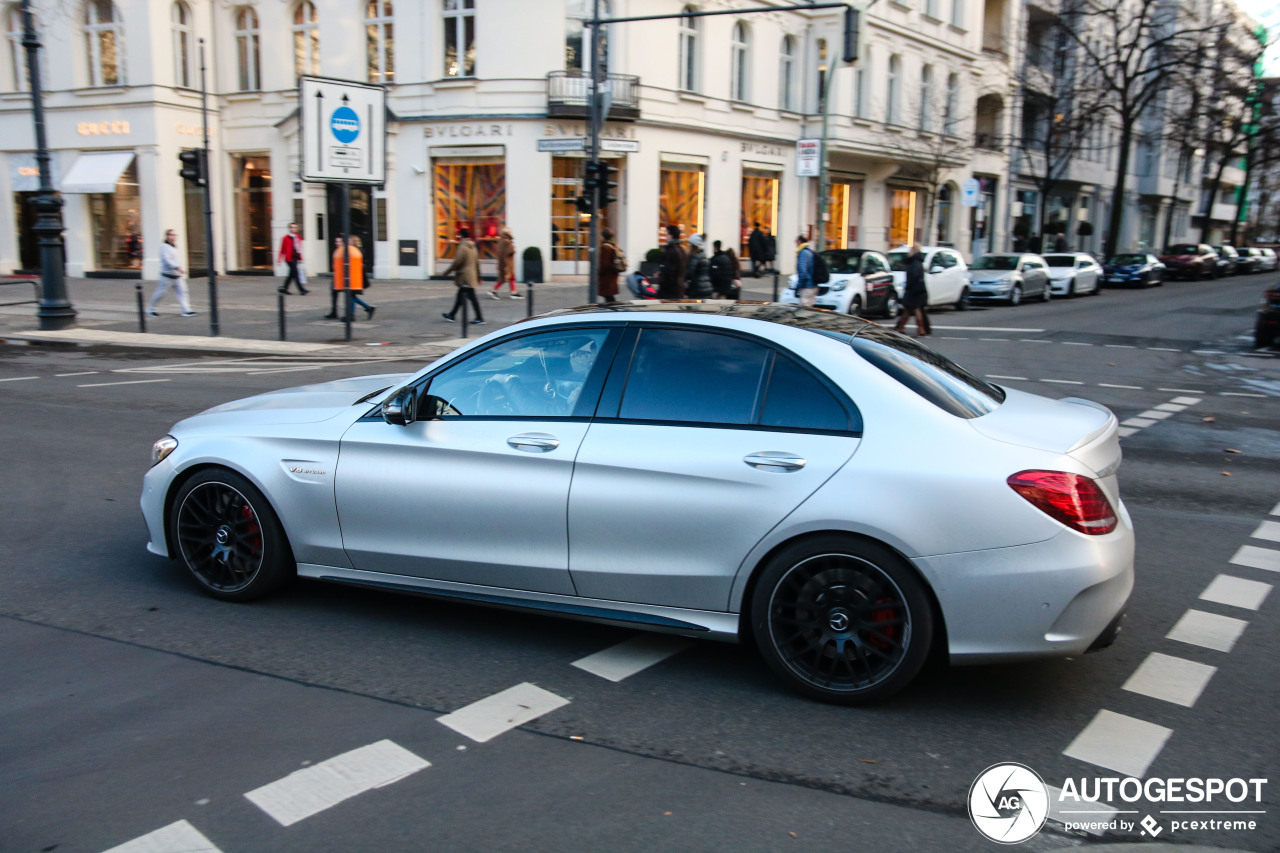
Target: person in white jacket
<point x="171" y="274"/>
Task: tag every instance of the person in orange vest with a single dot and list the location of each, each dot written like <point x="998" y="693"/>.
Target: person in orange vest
<point x="357" y="277"/>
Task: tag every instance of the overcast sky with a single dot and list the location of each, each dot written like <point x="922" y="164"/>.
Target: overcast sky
<point x="1267" y="13"/>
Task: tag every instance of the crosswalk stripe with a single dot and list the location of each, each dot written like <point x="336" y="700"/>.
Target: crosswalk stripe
<point x="1257" y="558"/>
<point x="487" y="718"/>
<point x="1236" y="592"/>
<point x="1169" y="678"/>
<point x="1269" y="530"/>
<point x="1117" y="742"/>
<point x="631" y="656"/>
<point x="180" y="837"/>
<point x="1208" y="630"/>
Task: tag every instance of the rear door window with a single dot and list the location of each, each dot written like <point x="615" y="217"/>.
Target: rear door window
<point x="686" y="375"/>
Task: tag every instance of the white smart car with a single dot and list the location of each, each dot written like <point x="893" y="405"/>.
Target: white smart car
<point x="945" y="275"/>
<point x="861" y="284"/>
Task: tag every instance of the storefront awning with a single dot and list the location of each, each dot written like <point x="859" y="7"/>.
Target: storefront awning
<point x="96" y="172"/>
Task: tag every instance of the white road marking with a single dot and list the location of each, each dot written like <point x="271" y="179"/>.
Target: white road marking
<point x="1208" y="630"/>
<point x="1241" y="394"/>
<point x="987" y="329"/>
<point x="1163" y="349"/>
<point x="1062" y="381"/>
<point x="129" y="382"/>
<point x="1098" y="812"/>
<point x="1119" y="346"/>
<point x="1125" y="431"/>
<point x="1169" y="678"/>
<point x="310" y="791"/>
<point x="1152" y="414"/>
<point x="1183" y="401"/>
<point x="997" y="340"/>
<point x="1269" y="530"/>
<point x="1120" y="743"/>
<point x="1034" y="341"/>
<point x="1169" y="407"/>
<point x="1206" y="352"/>
<point x="1275" y="510"/>
<point x="1237" y="592"/>
<point x="489" y="717"/>
<point x="1075" y="344"/>
<point x="84" y="373"/>
<point x="1137" y="422"/>
<point x="180" y="837"/>
<point x="18" y="378"/>
<point x="1123" y="387"/>
<point x="1013" y="378"/>
<point x="631" y="656"/>
<point x="1257" y="558"/>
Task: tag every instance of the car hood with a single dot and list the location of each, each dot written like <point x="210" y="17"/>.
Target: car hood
<point x="1057" y="426"/>
<point x="303" y="404"/>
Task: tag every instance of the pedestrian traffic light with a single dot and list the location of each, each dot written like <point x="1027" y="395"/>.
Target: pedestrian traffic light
<point x="606" y="177"/>
<point x="851" y="21"/>
<point x="193" y="166"/>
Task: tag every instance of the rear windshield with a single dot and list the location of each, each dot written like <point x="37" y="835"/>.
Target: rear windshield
<point x="1125" y="260"/>
<point x="1182" y="249"/>
<point x="933" y="376"/>
<point x="1061" y="260"/>
<point x="898" y="261"/>
<point x="995" y="262"/>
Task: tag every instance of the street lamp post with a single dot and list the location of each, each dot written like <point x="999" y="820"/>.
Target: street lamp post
<point x="55" y="311"/>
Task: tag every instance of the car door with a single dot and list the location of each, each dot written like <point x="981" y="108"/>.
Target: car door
<point x="1087" y="273"/>
<point x="1035" y="277"/>
<point x="476" y="490"/>
<point x="694" y="456"/>
<point x="938" y="280"/>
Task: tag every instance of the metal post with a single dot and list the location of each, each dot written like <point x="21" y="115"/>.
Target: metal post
<point x="463" y="302"/>
<point x="208" y="204"/>
<point x="824" y="181"/>
<point x="55" y="311"/>
<point x="349" y="304"/>
<point x="596" y="120"/>
<point x="280" y="307"/>
<point x="528" y="299"/>
<point x="775" y="286"/>
<point x="142" y="312"/>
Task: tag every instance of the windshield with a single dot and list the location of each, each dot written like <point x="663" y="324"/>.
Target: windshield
<point x="1182" y="249"/>
<point x="996" y="262"/>
<point x="1125" y="260"/>
<point x="931" y="375"/>
<point x="841" y="262"/>
<point x="1061" y="260"/>
<point x="898" y="261"/>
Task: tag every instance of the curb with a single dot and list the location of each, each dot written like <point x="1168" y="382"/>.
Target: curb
<point x="233" y="346"/>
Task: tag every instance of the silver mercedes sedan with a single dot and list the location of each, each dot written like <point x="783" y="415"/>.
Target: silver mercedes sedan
<point x="836" y="493"/>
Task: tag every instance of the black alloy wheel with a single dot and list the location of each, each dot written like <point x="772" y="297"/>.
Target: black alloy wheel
<point x="842" y="621"/>
<point x="226" y="534"/>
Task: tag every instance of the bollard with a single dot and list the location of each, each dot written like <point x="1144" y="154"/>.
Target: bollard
<point x="350" y="307"/>
<point x="280" y="301"/>
<point x="142" y="313"/>
<point x="775" y="286"/>
<point x="528" y="298"/>
<point x="463" y="300"/>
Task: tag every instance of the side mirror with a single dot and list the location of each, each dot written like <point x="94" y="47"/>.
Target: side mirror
<point x="402" y="408"/>
<point x="433" y="408"/>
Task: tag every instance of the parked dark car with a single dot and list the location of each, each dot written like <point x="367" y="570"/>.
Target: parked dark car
<point x="1270" y="262"/>
<point x="1267" y="330"/>
<point x="1250" y="260"/>
<point x="1190" y="260"/>
<point x="1228" y="260"/>
<point x="1133" y="269"/>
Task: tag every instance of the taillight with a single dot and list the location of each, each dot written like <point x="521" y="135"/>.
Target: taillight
<point x="1074" y="500"/>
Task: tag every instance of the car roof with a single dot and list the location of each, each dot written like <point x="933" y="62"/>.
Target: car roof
<point x="767" y="312"/>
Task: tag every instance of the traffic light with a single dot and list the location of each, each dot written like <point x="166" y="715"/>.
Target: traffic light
<point x="583" y="203"/>
<point x="607" y="178"/>
<point x="851" y="20"/>
<point x="193" y="166"/>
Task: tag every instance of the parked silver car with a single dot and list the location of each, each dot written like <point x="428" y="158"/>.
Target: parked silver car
<point x="839" y="493"/>
<point x="1009" y="278"/>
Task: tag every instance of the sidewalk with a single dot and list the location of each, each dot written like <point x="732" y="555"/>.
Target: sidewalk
<point x="407" y="321"/>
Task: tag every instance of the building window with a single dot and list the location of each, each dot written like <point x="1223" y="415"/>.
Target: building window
<point x="182" y="41"/>
<point x="902" y="218"/>
<point x="689" y="52"/>
<point x="248" y="56"/>
<point x="949" y="118"/>
<point x="104" y="43"/>
<point x="861" y="78"/>
<point x="380" y="41"/>
<point x="891" y="90"/>
<point x="681" y="198"/>
<point x="253" y="211"/>
<point x="577" y="37"/>
<point x="740" y="65"/>
<point x="931" y="8"/>
<point x="944" y="215"/>
<point x="835" y="232"/>
<point x="926" y="99"/>
<point x="116" y="223"/>
<point x="17" y="53"/>
<point x="957" y="13"/>
<point x="306" y="40"/>
<point x="787" y="74"/>
<point x="459" y="38"/>
<point x="759" y="205"/>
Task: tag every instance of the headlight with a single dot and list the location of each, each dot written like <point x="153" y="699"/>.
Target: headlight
<point x="162" y="449"/>
<point x="839" y="285"/>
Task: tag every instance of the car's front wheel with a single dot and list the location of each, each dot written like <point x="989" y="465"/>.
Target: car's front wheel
<point x="1015" y="295"/>
<point x="841" y="620"/>
<point x="855" y="307"/>
<point x="227" y="536"/>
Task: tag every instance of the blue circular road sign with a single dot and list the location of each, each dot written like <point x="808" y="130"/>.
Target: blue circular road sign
<point x="345" y="125"/>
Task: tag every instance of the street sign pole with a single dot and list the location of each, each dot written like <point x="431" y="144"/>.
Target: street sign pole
<point x="597" y="119"/>
<point x="208" y="206"/>
<point x="348" y="304"/>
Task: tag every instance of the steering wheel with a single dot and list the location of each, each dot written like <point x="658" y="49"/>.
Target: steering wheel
<point x="493" y="398"/>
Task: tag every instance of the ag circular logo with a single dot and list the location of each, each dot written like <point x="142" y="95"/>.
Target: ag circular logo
<point x="1008" y="803"/>
<point x="345" y="125"/>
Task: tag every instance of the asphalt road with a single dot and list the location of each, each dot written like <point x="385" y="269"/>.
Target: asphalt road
<point x="131" y="702"/>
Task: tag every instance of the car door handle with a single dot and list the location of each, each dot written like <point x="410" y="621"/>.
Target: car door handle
<point x="774" y="460"/>
<point x="534" y="442"/>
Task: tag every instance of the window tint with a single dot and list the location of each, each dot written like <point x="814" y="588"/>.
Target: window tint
<point x="948" y="259"/>
<point x="933" y="376"/>
<point x="536" y="376"/>
<point x="684" y="375"/>
<point x="795" y="398"/>
<point x="873" y="264"/>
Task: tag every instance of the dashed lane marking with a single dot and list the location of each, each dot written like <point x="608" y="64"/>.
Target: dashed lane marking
<point x="129" y="382"/>
<point x="1154" y="415"/>
<point x="1242" y="394"/>
<point x="1236" y="592"/>
<point x="1075" y="344"/>
<point x="1163" y="349"/>
<point x="1137" y="422"/>
<point x="1208" y="630"/>
<point x="180" y="837"/>
<point x="1008" y="378"/>
<point x="489" y="717"/>
<point x="1119" y="346"/>
<point x="1062" y="381"/>
<point x="310" y="791"/>
<point x="18" y="378"/>
<point x="1117" y="742"/>
<point x="632" y="656"/>
<point x="1183" y="401"/>
<point x="1121" y="387"/>
<point x="1171" y="679"/>
<point x="1181" y="391"/>
<point x="1257" y="558"/>
<point x="82" y="373"/>
<point x="1269" y="530"/>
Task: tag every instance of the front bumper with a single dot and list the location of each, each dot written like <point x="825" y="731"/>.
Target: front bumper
<point x="155" y="484"/>
<point x="992" y="290"/>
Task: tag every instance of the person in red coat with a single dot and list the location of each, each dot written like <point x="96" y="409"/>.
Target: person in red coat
<point x="608" y="267"/>
<point x="291" y="254"/>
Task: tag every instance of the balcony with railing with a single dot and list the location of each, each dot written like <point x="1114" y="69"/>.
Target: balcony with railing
<point x="569" y="95"/>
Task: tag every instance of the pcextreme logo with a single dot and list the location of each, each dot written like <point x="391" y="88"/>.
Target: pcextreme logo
<point x="1008" y="803"/>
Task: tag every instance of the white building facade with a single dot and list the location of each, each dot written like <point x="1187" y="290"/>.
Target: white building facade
<point x="485" y="99"/>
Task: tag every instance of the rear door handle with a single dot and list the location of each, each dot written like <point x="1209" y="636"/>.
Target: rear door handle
<point x="774" y="460"/>
<point x="534" y="442"/>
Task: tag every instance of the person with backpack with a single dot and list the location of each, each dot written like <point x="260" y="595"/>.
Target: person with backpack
<point x="611" y="262"/>
<point x="721" y="274"/>
<point x="806" y="282"/>
<point x="698" y="271"/>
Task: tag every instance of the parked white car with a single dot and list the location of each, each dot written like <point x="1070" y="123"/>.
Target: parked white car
<point x="1073" y="273"/>
<point x="861" y="284"/>
<point x="945" y="275"/>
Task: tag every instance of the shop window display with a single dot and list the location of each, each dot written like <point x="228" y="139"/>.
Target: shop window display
<point x="680" y="199"/>
<point x="470" y="195"/>
<point x="759" y="204"/>
<point x="117" y="224"/>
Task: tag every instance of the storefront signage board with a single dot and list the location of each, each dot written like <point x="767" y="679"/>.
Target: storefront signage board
<point x="969" y="192"/>
<point x="562" y="144"/>
<point x="808" y="158"/>
<point x="343" y="131"/>
<point x="624" y="145"/>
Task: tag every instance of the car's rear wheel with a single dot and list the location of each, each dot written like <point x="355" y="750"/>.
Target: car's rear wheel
<point x="962" y="304"/>
<point x="841" y="620"/>
<point x="892" y="308"/>
<point x="227" y="536"/>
